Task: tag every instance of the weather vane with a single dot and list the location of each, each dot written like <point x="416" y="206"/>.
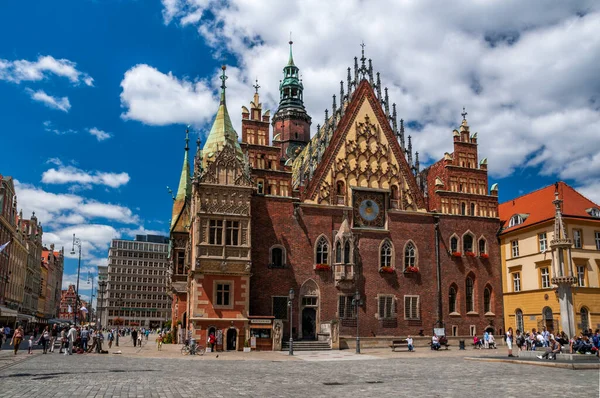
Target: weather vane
<point x="464" y="113"/>
<point x="256" y="86"/>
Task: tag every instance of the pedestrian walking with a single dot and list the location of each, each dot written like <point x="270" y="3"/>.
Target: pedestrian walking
<point x="2" y="337"/>
<point x="85" y="335"/>
<point x="139" y="337"/>
<point x="63" y="340"/>
<point x="45" y="339"/>
<point x="486" y="339"/>
<point x="509" y="337"/>
<point x="134" y="335"/>
<point x="159" y="341"/>
<point x="17" y="338"/>
<point x="30" y="345"/>
<point x="71" y="336"/>
<point x="111" y="337"/>
<point x="53" y="337"/>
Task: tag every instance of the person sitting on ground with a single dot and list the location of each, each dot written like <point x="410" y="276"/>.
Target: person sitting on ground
<point x="563" y="339"/>
<point x="539" y="341"/>
<point x="435" y="342"/>
<point x="409" y="341"/>
<point x="552" y="350"/>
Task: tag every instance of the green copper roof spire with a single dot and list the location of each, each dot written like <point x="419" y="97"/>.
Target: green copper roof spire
<point x="184" y="191"/>
<point x="291" y="88"/>
<point x="222" y="132"/>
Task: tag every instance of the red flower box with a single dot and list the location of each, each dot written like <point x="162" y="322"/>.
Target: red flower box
<point x="386" y="270"/>
<point x="470" y="254"/>
<point x="484" y="255"/>
<point x="412" y="270"/>
<point x="322" y="267"/>
<point x="456" y="254"/>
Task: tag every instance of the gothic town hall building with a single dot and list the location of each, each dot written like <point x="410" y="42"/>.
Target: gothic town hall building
<point x="330" y="212"/>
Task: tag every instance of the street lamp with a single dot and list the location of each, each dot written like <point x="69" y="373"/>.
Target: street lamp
<point x="76" y="242"/>
<point x="290" y="304"/>
<point x="357" y="302"/>
<point x="119" y="304"/>
<point x="91" y="276"/>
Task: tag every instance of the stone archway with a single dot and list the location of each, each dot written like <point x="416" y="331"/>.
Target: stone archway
<point x="309" y="313"/>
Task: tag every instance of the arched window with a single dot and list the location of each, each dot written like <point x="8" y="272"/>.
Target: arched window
<point x="277" y="257"/>
<point x="410" y="256"/>
<point x="519" y="320"/>
<point x="340" y="188"/>
<point x="322" y="253"/>
<point x="515" y="220"/>
<point x="452" y="299"/>
<point x="482" y="248"/>
<point x="487" y="300"/>
<point x="347" y="252"/>
<point x="385" y="254"/>
<point x="585" y="319"/>
<point x="472" y="209"/>
<point x="469" y="294"/>
<point x="338" y="252"/>
<point x="463" y="208"/>
<point x="467" y="243"/>
<point x="454" y="244"/>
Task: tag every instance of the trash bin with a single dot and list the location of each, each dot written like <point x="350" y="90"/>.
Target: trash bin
<point x="461" y="344"/>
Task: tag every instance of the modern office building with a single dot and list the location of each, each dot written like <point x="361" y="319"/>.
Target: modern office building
<point x="136" y="292"/>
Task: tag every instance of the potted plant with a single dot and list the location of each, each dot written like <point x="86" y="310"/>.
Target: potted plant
<point x="247" y="346"/>
<point x="322" y="267"/>
<point x="411" y="270"/>
<point x="484" y="256"/>
<point x="386" y="270"/>
<point x="456" y="254"/>
<point x="470" y="254"/>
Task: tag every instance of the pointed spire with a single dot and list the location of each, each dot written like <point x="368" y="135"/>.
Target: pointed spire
<point x="222" y="132"/>
<point x="349" y="84"/>
<point x="378" y="87"/>
<point x="370" y="71"/>
<point x="333" y="108"/>
<point x="402" y="134"/>
<point x="341" y="95"/>
<point x="417" y="165"/>
<point x="386" y="103"/>
<point x="409" y="152"/>
<point x="355" y="82"/>
<point x="395" y="121"/>
<point x="363" y="67"/>
<point x="291" y="60"/>
<point x="184" y="191"/>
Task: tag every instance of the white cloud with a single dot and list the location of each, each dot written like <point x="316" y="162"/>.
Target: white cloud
<point x="23" y="70"/>
<point x="99" y="134"/>
<point x="132" y="232"/>
<point x="49" y="126"/>
<point x="72" y="175"/>
<point x="155" y="98"/>
<point x="497" y="58"/>
<point x="60" y="103"/>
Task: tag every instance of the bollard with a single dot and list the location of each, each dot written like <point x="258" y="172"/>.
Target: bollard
<point x="461" y="344"/>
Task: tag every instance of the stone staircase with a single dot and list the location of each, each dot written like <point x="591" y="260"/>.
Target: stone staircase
<point x="307" y="345"/>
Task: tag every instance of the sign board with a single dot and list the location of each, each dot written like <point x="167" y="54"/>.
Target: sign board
<point x="253" y="342"/>
<point x="439" y="331"/>
<point x="260" y="321"/>
<point x="219" y="337"/>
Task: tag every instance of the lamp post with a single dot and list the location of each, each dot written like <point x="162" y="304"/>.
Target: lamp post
<point x="119" y="304"/>
<point x="76" y="242"/>
<point x="290" y="304"/>
<point x="100" y="303"/>
<point x="357" y="302"/>
<point x="91" y="276"/>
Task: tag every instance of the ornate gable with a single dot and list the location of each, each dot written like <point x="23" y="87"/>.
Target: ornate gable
<point x="227" y="169"/>
<point x="364" y="153"/>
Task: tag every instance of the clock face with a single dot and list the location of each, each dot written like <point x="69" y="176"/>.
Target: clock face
<point x="369" y="209"/>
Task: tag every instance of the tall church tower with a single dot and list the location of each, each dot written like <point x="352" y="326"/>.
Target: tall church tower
<point x="291" y="123"/>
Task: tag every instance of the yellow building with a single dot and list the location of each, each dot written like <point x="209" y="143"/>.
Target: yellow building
<point x="534" y="287"/>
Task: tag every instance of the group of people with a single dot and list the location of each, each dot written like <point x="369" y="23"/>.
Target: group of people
<point x="488" y="341"/>
<point x="587" y="342"/>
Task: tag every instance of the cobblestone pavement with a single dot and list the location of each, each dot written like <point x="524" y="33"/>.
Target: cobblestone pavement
<point x="208" y="376"/>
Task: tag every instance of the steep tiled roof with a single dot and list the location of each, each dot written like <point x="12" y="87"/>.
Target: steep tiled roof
<point x="537" y="206"/>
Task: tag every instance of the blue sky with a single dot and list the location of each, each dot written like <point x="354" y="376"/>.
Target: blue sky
<point x="95" y="95"/>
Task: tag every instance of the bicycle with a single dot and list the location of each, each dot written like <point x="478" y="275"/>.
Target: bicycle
<point x="195" y="349"/>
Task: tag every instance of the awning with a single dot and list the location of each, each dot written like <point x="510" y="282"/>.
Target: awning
<point x="24" y="317"/>
<point x="261" y="326"/>
<point x="7" y="312"/>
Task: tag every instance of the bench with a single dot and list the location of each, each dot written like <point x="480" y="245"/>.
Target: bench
<point x="443" y="342"/>
<point x="398" y="344"/>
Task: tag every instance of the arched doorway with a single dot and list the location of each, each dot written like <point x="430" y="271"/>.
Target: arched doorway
<point x="309" y="310"/>
<point x="231" y="339"/>
<point x="548" y="320"/>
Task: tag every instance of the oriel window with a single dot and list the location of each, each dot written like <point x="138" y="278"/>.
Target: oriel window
<point x="215" y="236"/>
<point x="233" y="233"/>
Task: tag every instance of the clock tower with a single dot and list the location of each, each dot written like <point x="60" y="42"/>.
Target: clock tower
<point x="291" y="123"/>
